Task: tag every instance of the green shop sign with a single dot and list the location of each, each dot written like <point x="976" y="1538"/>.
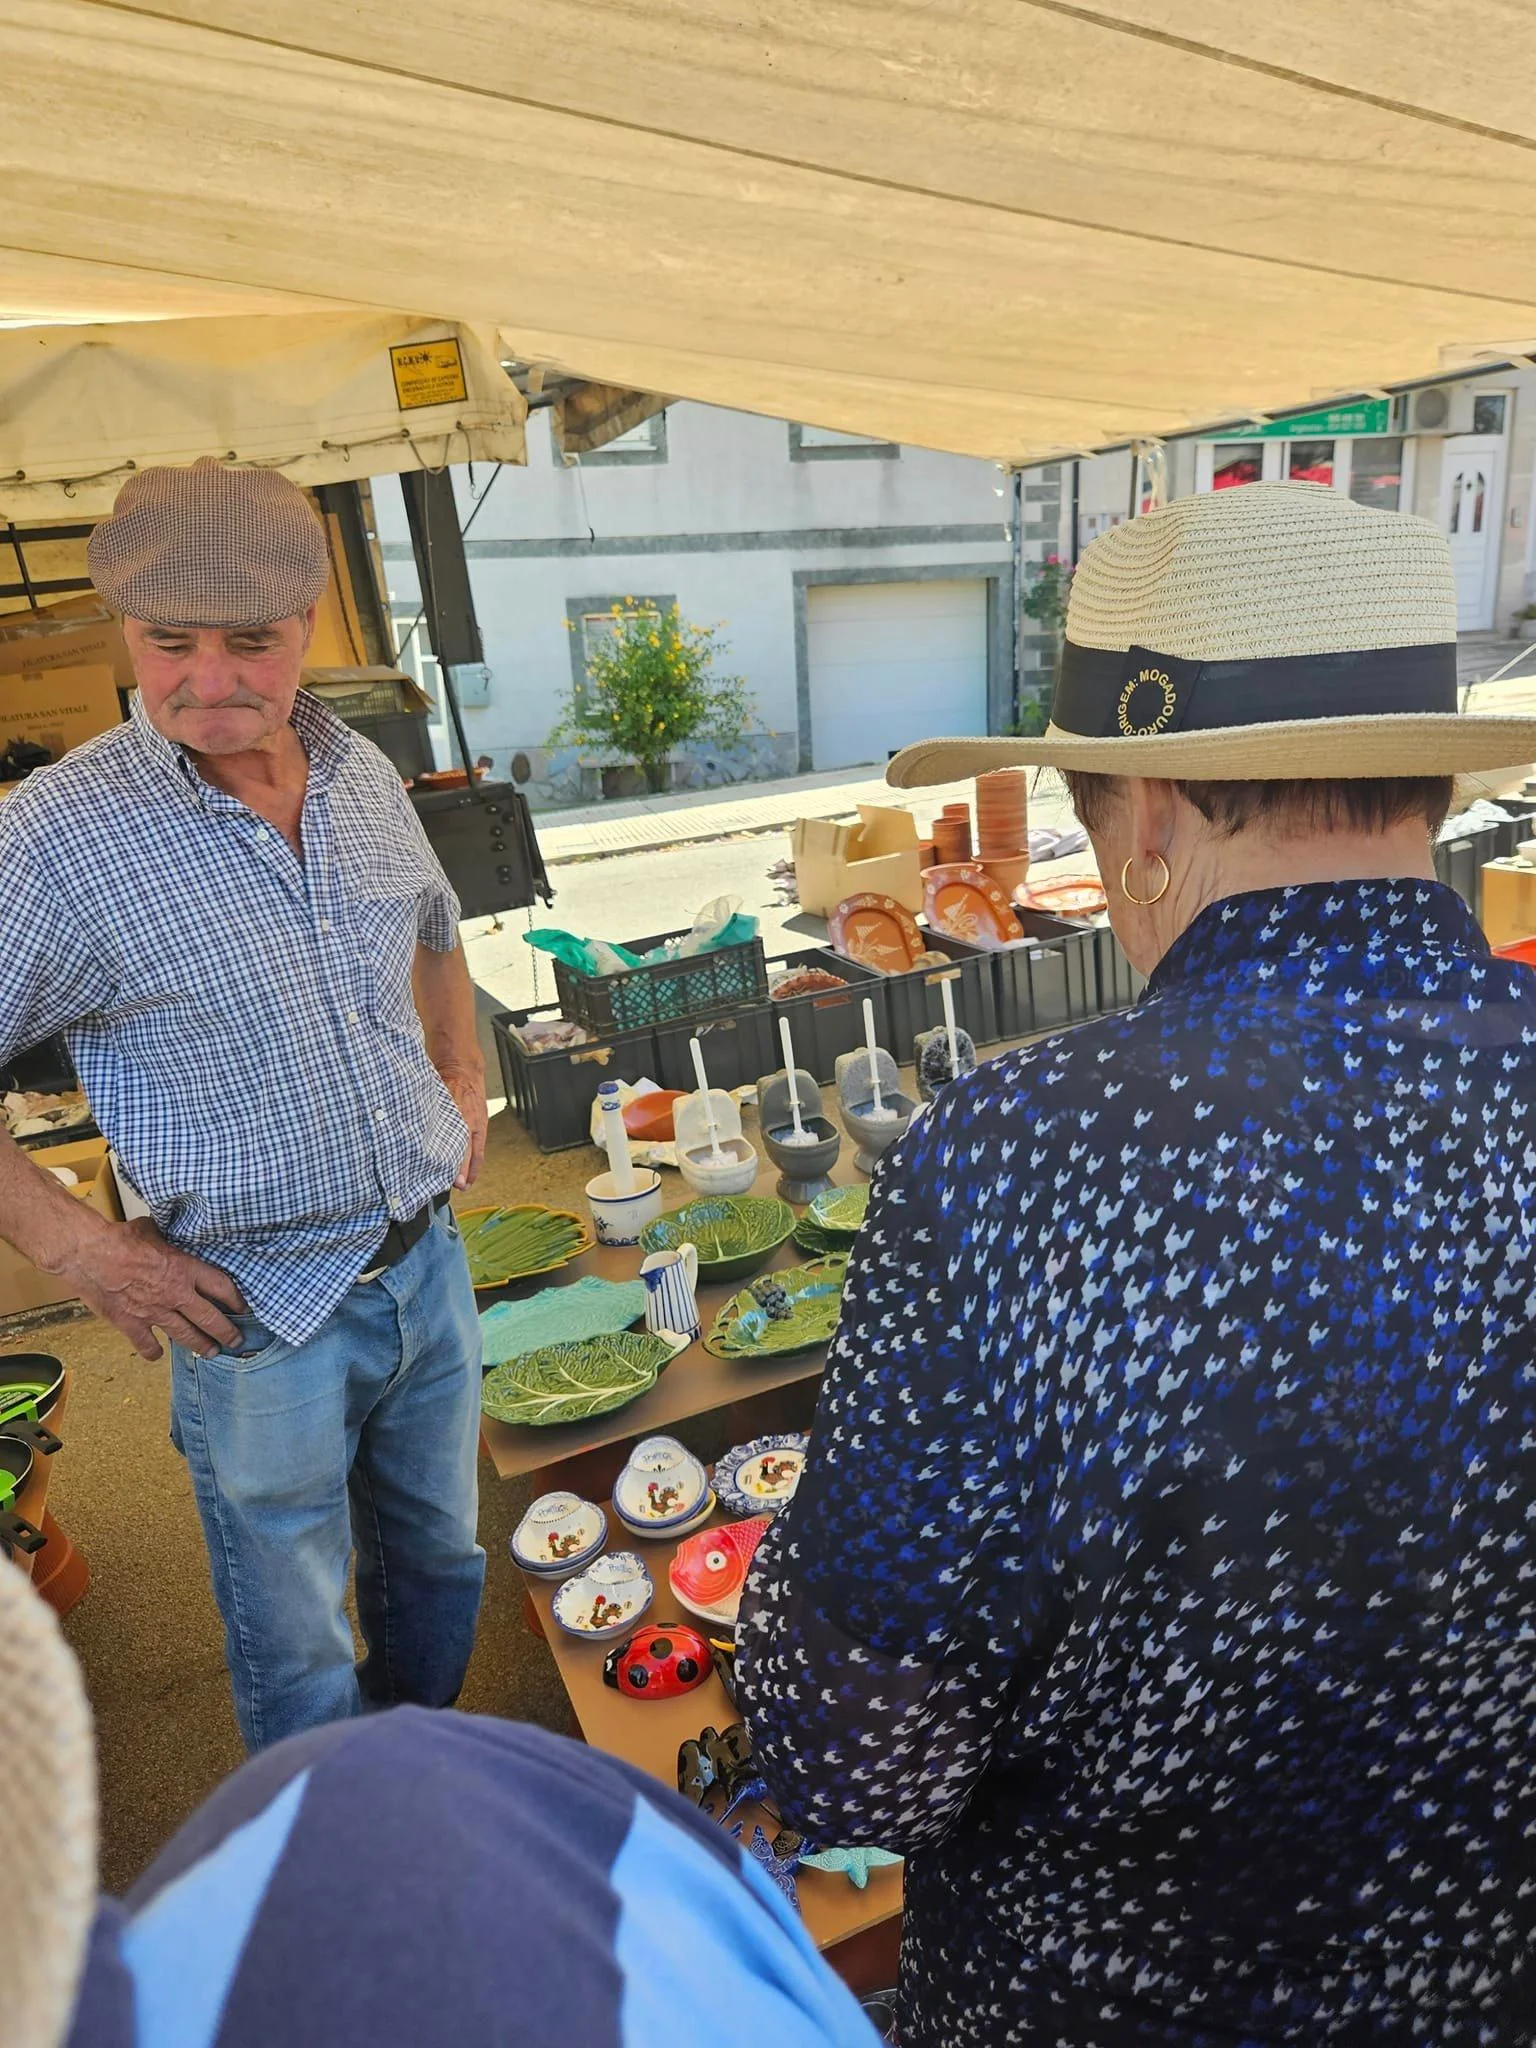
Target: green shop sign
<point x="1370" y="416"/>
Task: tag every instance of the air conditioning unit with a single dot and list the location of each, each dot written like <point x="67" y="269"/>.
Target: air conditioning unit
<point x="1429" y="411"/>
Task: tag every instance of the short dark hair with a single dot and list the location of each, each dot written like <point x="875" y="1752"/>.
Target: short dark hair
<point x="1365" y="804"/>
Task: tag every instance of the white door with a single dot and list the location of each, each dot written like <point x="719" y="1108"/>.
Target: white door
<point x="894" y="662"/>
<point x="1472" y="517"/>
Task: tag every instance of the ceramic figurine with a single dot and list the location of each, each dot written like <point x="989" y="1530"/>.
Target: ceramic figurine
<point x="709" y="1570"/>
<point x="712" y="1155"/>
<point x="661" y="1661"/>
<point x="873" y="1128"/>
<point x="802" y="1143"/>
<point x="856" y="1864"/>
<point x="930" y="1056"/>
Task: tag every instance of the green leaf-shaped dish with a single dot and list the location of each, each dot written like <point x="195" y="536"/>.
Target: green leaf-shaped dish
<point x="572" y="1382"/>
<point x="744" y="1329"/>
<point x="510" y="1244"/>
<point x="735" y="1234"/>
<point x="832" y="1221"/>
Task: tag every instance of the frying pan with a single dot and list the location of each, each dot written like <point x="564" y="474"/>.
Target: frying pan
<point x="15" y="1467"/>
<point x="30" y="1384"/>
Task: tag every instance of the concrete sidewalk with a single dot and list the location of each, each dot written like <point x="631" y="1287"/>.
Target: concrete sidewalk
<point x="641" y="824"/>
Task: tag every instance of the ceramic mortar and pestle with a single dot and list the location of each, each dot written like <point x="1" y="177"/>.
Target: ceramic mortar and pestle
<point x="712" y="1155"/>
<point x="627" y="1197"/>
<point x="805" y="1156"/>
<point x="870" y="1102"/>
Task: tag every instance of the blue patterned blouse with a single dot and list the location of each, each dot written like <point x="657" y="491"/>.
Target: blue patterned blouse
<point x="1164" y="1576"/>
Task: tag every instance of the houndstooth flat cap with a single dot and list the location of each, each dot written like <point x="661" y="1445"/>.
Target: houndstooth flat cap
<point x="209" y="546"/>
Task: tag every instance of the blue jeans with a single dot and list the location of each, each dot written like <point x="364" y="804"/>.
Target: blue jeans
<point x="365" y="1435"/>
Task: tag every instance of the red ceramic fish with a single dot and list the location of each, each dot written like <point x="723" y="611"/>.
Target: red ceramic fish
<point x="709" y="1570"/>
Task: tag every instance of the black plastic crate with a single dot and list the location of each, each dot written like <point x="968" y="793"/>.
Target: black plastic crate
<point x="739" y="1048"/>
<point x="553" y="1092"/>
<point x="670" y="992"/>
<point x="914" y="1003"/>
<point x="403" y="736"/>
<point x="1049" y="979"/>
<point x="42" y="1069"/>
<point x="827" y="1022"/>
<point x="1459" y="862"/>
<point x="1119" y="982"/>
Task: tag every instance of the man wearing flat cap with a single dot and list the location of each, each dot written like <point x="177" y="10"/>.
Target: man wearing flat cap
<point x="229" y="907"/>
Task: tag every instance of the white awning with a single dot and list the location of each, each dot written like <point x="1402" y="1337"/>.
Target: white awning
<point x="316" y="395"/>
<point x="1006" y="227"/>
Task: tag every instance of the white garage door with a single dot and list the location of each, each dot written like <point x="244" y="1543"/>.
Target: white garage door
<point x="894" y="662"/>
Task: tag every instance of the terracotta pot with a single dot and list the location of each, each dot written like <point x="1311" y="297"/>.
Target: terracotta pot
<point x="952" y="839"/>
<point x="1007" y="873"/>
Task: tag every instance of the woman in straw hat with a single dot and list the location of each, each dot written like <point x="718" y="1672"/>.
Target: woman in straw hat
<point x="1163" y="1579"/>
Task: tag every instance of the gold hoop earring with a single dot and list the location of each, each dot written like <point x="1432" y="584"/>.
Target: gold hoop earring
<point x="1157" y="894"/>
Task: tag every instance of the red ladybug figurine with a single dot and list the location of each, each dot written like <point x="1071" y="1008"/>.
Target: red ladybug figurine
<point x="660" y="1661"/>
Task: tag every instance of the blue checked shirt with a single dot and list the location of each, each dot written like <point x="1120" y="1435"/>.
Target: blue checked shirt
<point x="243" y="1023"/>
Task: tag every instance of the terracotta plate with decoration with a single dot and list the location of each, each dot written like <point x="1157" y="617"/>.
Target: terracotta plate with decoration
<point x="962" y="901"/>
<point x="1078" y="896"/>
<point x="877" y="931"/>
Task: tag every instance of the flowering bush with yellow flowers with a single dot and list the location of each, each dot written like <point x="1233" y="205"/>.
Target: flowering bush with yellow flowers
<point x="650" y="688"/>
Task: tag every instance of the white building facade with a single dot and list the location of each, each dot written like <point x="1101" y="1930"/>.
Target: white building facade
<point x="866" y="593"/>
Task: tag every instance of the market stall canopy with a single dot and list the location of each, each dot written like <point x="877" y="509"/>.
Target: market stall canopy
<point x="1006" y="227"/>
<point x="322" y="396"/>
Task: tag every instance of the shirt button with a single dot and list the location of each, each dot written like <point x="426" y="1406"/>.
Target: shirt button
<point x="351" y="1016"/>
<point x="379" y="1115"/>
<point x="326" y="925"/>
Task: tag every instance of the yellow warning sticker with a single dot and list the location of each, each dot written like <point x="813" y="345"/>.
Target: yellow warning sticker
<point x="428" y="373"/>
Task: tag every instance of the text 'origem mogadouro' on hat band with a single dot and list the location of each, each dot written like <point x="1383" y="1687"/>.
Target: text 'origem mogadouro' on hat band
<point x="1107" y="693"/>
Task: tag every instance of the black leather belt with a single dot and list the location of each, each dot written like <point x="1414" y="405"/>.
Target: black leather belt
<point x="401" y="1238"/>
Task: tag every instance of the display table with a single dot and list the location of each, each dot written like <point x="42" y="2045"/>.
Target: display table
<point x="859" y="1930"/>
<point x="694" y="1383"/>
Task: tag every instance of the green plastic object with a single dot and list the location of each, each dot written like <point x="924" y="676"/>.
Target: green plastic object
<point x="503" y="1245"/>
<point x="735" y="1234"/>
<point x="560" y="1315"/>
<point x="744" y="1329"/>
<point x="574" y="1382"/>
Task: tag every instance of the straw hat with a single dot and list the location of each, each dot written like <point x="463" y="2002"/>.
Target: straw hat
<point x="50" y="1817"/>
<point x="1258" y="634"/>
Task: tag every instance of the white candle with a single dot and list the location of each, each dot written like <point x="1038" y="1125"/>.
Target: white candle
<point x="874" y="1057"/>
<point x="949" y="1025"/>
<point x="616" y="1139"/>
<point x="709" y="1108"/>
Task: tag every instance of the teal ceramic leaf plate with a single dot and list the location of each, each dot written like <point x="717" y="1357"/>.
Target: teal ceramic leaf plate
<point x="574" y="1382"/>
<point x="503" y="1245"/>
<point x="564" y="1314"/>
<point x="735" y="1234"/>
<point x="744" y="1328"/>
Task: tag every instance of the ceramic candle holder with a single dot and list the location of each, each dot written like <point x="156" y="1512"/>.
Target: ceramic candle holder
<point x="804" y="1169"/>
<point x="736" y="1169"/>
<point x="856" y="1104"/>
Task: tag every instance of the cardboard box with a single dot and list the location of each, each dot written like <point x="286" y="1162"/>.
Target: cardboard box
<point x="79" y="633"/>
<point x="58" y="709"/>
<point x="22" y="1285"/>
<point x="879" y="854"/>
<point x="1509" y="901"/>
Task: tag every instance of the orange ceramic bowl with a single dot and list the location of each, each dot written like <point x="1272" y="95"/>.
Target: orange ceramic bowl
<point x="649" y="1117"/>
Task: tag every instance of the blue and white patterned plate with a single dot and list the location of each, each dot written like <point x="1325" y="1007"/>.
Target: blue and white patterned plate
<point x="759" y="1477"/>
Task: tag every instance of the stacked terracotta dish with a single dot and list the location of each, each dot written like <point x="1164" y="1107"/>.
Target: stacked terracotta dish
<point x="1002" y="826"/>
<point x="952" y="834"/>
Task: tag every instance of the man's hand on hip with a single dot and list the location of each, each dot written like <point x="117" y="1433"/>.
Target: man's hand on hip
<point x="129" y="1274"/>
<point x="467" y="1087"/>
